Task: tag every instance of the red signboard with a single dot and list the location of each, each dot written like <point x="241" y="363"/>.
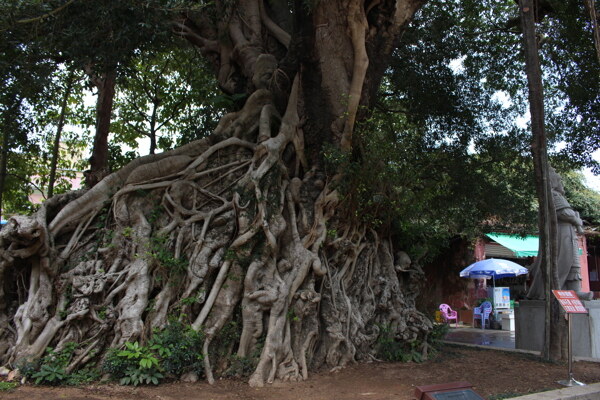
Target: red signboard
<point x="569" y="301"/>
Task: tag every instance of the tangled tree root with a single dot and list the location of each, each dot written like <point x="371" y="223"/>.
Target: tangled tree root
<point x="230" y="222"/>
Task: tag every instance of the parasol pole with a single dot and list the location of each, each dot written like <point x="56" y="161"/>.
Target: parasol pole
<point x="493" y="296"/>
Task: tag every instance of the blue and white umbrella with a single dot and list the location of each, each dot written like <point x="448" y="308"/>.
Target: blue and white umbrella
<point x="493" y="268"/>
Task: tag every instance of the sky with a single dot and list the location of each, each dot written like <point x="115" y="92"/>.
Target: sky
<point x="592" y="180"/>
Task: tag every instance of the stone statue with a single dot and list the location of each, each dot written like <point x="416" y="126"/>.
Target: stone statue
<point x="569" y="224"/>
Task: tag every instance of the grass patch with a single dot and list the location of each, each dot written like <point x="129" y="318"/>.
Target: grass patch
<point x="6" y="386"/>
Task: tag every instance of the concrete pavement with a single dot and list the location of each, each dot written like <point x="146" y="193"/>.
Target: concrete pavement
<point x="505" y="340"/>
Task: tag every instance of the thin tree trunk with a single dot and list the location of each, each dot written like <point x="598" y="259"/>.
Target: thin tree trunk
<point x="99" y="158"/>
<point x="547" y="215"/>
<point x="3" y="167"/>
<point x="591" y="8"/>
<point x="153" y="128"/>
<point x="4" y="153"/>
<point x="59" y="129"/>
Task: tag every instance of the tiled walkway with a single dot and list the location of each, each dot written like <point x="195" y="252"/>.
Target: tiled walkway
<point x="477" y="336"/>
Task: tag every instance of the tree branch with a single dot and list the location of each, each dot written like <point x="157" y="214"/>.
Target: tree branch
<point x="383" y="107"/>
<point x="138" y="130"/>
<point x="497" y="29"/>
<point x="205" y="45"/>
<point x="171" y="114"/>
<point x="282" y="36"/>
<point x="27" y="181"/>
<point x="51" y="13"/>
<point x="138" y="110"/>
<point x="591" y="8"/>
<point x="357" y="22"/>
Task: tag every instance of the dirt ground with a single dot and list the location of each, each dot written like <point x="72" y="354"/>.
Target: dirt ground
<point x="493" y="374"/>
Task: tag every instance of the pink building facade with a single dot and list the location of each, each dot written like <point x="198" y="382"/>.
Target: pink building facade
<point x="480" y="254"/>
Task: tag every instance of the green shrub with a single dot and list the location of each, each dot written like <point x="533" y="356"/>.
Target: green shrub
<point x="391" y="349"/>
<point x="51" y="369"/>
<point x="240" y="366"/>
<point x="159" y="250"/>
<point x="437" y="334"/>
<point x="83" y="376"/>
<point x="29" y="368"/>
<point x="116" y="365"/>
<point x="133" y="365"/>
<point x="179" y="348"/>
<point x="50" y="375"/>
<point x="136" y="375"/>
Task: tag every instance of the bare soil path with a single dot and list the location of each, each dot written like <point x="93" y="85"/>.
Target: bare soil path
<point x="494" y="374"/>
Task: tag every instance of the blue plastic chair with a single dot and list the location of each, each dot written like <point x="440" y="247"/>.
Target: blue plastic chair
<point x="482" y="312"/>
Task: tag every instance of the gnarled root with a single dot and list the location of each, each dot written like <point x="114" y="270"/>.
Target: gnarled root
<point x="222" y="231"/>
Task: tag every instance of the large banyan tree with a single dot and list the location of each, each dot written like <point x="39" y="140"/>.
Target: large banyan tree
<point x="247" y="222"/>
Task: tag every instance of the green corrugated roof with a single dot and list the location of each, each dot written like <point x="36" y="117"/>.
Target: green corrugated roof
<point x="522" y="246"/>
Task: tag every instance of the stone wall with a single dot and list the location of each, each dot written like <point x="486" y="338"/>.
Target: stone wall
<point x="529" y="328"/>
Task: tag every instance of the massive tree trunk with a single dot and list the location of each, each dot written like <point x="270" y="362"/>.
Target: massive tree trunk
<point x="256" y="228"/>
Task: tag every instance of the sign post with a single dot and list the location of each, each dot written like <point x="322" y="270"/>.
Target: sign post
<point x="572" y="305"/>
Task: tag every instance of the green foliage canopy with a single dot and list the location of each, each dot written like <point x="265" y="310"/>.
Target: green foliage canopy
<point x="441" y="154"/>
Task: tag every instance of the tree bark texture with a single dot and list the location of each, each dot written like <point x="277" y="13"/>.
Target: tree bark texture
<point x="255" y="230"/>
<point x="59" y="128"/>
<point x="99" y="159"/>
<point x="3" y="166"/>
<point x="591" y="8"/>
<point x="554" y="325"/>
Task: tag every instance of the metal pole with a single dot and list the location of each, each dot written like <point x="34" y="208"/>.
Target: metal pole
<point x="570" y="339"/>
<point x="571" y="381"/>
